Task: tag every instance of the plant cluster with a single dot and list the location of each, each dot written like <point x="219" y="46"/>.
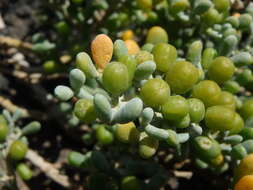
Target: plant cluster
<point x="75" y="24"/>
<point x="14" y="147"/>
<point x="188" y="102"/>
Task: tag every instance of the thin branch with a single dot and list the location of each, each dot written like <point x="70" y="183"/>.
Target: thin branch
<point x="246" y="3"/>
<point x="2" y="24"/>
<point x="12" y="42"/>
<point x="10" y="106"/>
<point x="183" y="174"/>
<point x="182" y="164"/>
<point x="7" y="104"/>
<point x="62" y="158"/>
<point x="104" y="15"/>
<point x="48" y="168"/>
<point x="15" y="73"/>
<point x="34" y="78"/>
<point x="21" y="184"/>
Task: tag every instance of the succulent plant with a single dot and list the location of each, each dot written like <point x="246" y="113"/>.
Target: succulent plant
<point x="161" y="96"/>
<point x="14" y="146"/>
